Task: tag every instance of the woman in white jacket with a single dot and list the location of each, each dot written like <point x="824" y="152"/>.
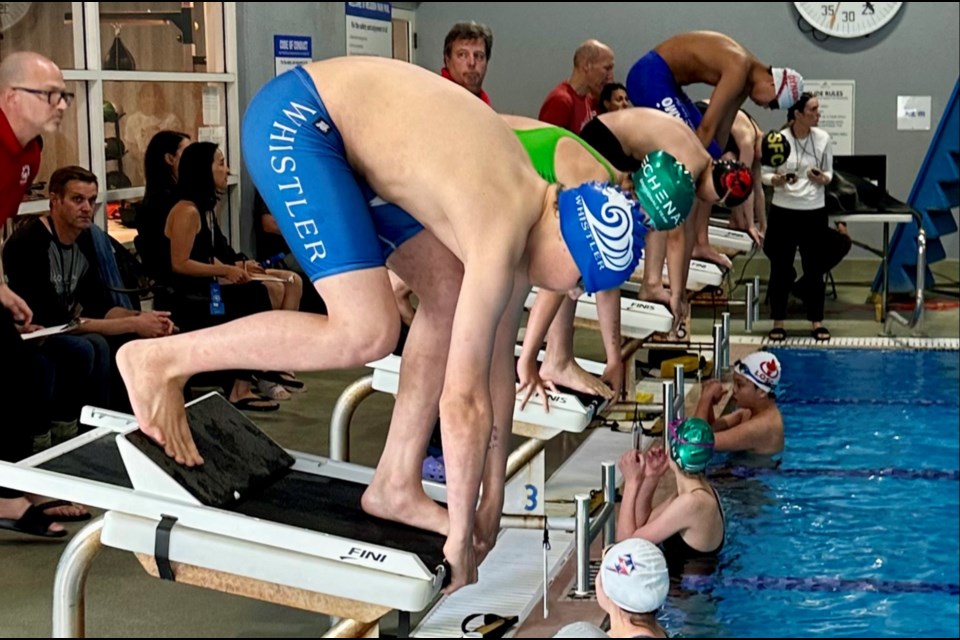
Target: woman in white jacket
<point x="798" y="218"/>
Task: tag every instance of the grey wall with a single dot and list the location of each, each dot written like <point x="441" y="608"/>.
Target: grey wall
<point x="916" y="54"/>
<point x="257" y="23"/>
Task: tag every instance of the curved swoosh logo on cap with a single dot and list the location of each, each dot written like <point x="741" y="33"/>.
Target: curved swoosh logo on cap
<point x="613" y="230"/>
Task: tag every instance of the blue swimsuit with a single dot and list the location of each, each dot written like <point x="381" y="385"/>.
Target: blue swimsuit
<point x="330" y="217"/>
<point x="650" y="83"/>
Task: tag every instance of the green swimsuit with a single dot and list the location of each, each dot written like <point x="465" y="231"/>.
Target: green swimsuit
<point x="541" y="145"/>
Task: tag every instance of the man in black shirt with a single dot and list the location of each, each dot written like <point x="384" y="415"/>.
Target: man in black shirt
<point x="51" y="262"/>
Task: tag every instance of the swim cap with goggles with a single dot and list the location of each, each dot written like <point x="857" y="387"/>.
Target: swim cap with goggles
<point x="788" y="85"/>
<point x="665" y="190"/>
<point x="762" y="369"/>
<point x="774" y="148"/>
<point x="691" y="444"/>
<point x="604" y="232"/>
<point x="732" y="181"/>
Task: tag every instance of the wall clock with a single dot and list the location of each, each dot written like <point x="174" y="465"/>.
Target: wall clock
<point x="848" y="19"/>
<point x="12" y="12"/>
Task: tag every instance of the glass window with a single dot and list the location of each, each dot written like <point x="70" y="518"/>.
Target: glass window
<point x="178" y="39"/>
<point x="135" y="111"/>
<point x="162" y="36"/>
<point x="44" y="27"/>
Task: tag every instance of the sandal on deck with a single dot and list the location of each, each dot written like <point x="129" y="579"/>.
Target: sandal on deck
<point x="821" y="334"/>
<point x="54" y="504"/>
<point x="33" y="522"/>
<point x="256" y="404"/>
<point x="285" y="378"/>
<point x="777" y="334"/>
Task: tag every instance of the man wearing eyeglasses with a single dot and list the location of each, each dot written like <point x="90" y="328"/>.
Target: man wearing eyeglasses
<point x="33" y="98"/>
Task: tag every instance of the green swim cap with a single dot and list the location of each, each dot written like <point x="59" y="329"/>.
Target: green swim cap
<point x="691" y="444"/>
<point x="665" y="190"/>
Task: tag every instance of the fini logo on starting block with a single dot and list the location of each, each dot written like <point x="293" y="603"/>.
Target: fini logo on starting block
<point x="356" y="553"/>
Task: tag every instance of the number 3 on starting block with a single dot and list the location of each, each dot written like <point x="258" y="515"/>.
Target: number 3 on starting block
<point x="524" y="493"/>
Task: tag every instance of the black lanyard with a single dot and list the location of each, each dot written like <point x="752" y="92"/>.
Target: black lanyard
<point x="802" y="149"/>
<point x="210" y="218"/>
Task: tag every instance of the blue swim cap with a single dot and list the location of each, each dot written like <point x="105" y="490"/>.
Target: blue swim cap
<point x="604" y="232"/>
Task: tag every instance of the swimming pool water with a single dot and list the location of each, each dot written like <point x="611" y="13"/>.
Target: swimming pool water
<point x="857" y="533"/>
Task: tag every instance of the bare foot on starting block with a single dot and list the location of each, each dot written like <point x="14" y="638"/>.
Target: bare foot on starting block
<point x="157" y="399"/>
<point x="403" y="503"/>
<point x="571" y="375"/>
<point x="709" y="254"/>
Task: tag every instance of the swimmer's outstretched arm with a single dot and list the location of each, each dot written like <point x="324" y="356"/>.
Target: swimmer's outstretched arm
<point x="502" y="390"/>
<point x="466" y="412"/>
<point x="542" y="313"/>
<point x="608" y="316"/>
<point x="725" y="100"/>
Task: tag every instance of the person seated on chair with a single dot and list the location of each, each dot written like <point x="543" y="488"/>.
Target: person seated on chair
<point x="161" y="166"/>
<point x="689" y="524"/>
<point x="624" y="138"/>
<point x="33" y="101"/>
<point x="202" y="266"/>
<point x="756" y="426"/>
<point x="632" y="584"/>
<point x="52" y="263"/>
<point x="274" y="251"/>
<point x="340" y="168"/>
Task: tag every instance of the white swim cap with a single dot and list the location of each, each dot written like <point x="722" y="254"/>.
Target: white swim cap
<point x="788" y="85"/>
<point x="762" y="369"/>
<point x="634" y="576"/>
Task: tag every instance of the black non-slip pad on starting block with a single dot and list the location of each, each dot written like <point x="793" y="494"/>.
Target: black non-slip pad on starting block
<point x="238" y="458"/>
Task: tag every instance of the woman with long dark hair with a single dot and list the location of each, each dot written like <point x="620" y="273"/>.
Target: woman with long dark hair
<point x="798" y="218"/>
<point x="212" y="283"/>
<point x="160" y="168"/>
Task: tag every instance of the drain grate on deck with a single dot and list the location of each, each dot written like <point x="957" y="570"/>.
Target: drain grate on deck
<point x="591" y="595"/>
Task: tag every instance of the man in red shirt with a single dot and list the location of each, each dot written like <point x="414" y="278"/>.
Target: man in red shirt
<point x="466" y="52"/>
<point x="33" y="98"/>
<point x="571" y="104"/>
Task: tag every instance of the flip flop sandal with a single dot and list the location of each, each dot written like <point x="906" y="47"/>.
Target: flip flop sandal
<point x="33" y="522"/>
<point x="282" y="377"/>
<point x="53" y="504"/>
<point x="777" y="334"/>
<point x="434" y="469"/>
<point x="249" y="404"/>
<point x="488" y="625"/>
<point x="273" y="390"/>
<point x="821" y="334"/>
